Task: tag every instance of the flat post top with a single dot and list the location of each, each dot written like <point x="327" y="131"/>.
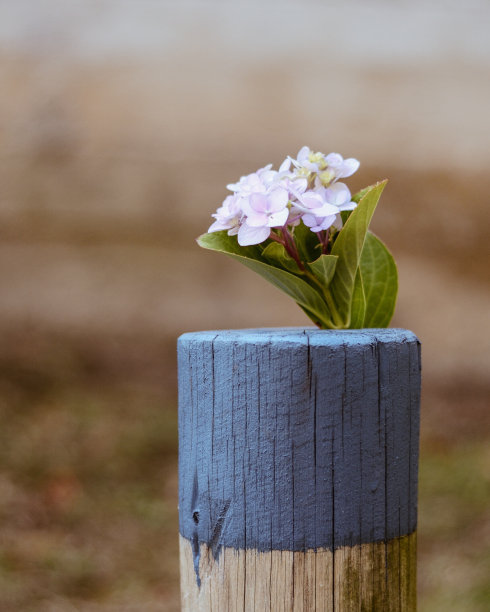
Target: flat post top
<point x="302" y="335"/>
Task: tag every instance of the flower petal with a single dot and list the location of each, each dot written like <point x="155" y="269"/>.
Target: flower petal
<point x="278" y="219"/>
<point x="309" y="220"/>
<point x="328" y="221"/>
<point x="348" y="168"/>
<point x="338" y="222"/>
<point x="325" y="210"/>
<point x="218" y="226"/>
<point x="277" y="200"/>
<point x="257" y="219"/>
<point x="258" y="202"/>
<point x="337" y="194"/>
<point x="299" y="185"/>
<point x="334" y="160"/>
<point x="317" y="224"/>
<point x="347" y="206"/>
<point x="310" y="200"/>
<point x="303" y="154"/>
<point x="252" y="235"/>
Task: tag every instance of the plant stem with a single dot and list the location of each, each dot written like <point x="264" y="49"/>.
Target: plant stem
<point x="336" y="318"/>
<point x="288" y="243"/>
<point x="291" y="249"/>
<point x="323" y="237"/>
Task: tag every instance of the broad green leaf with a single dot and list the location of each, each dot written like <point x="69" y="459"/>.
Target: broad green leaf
<point x="276" y="254"/>
<point x="292" y="285"/>
<point x="313" y="317"/>
<point x="348" y="247"/>
<point x="324" y="268"/>
<point x="380" y="280"/>
<point x="344" y="215"/>
<point x="357" y="197"/>
<point x="220" y="241"/>
<point x="358" y="311"/>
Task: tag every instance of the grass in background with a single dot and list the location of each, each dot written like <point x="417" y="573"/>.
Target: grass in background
<point x="88" y="493"/>
<point x="88" y="483"/>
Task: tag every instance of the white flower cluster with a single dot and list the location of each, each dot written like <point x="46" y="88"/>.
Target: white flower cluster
<point x="303" y="189"/>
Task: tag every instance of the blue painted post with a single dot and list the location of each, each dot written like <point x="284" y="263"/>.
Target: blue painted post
<point x="298" y="469"/>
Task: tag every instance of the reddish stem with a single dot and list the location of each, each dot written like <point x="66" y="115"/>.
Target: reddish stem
<point x="290" y="247"/>
<point x="323" y="237"/>
<point x="275" y="237"/>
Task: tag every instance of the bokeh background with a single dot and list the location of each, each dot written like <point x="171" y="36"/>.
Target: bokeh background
<point x="120" y="124"/>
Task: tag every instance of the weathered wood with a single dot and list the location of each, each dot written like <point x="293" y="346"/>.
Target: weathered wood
<point x="298" y="469"/>
<point x="369" y="577"/>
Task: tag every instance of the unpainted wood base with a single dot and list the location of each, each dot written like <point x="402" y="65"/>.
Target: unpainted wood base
<point x="370" y="577"/>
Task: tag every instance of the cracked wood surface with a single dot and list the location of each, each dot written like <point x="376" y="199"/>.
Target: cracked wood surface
<point x="293" y="441"/>
<point x="376" y="577"/>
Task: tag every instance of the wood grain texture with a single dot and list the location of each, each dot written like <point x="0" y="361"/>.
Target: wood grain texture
<point x="376" y="577"/>
<point x="295" y="443"/>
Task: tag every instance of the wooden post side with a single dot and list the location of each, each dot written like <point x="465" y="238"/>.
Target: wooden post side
<point x="298" y="470"/>
<point x="368" y="577"/>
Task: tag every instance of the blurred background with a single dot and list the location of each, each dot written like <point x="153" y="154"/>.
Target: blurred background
<point x="120" y="125"/>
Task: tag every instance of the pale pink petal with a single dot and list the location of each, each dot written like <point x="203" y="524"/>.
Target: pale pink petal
<point x="299" y="185"/>
<point x="317" y="224"/>
<point x="252" y="235"/>
<point x="348" y="168"/>
<point x="285" y="166"/>
<point x="334" y="160"/>
<point x="268" y="177"/>
<point x="278" y="219"/>
<point x="309" y="220"/>
<point x="257" y="219"/>
<point x="338" y="222"/>
<point x="259" y="202"/>
<point x="277" y="200"/>
<point x="327" y="221"/>
<point x="303" y="154"/>
<point x="325" y="210"/>
<point x="218" y="226"/>
<point x="311" y="200"/>
<point x="337" y="194"/>
<point x="254" y="184"/>
<point x="348" y="206"/>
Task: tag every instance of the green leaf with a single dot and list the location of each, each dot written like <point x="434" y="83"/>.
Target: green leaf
<point x="348" y="248"/>
<point x="220" y="241"/>
<point x="344" y="215"/>
<point x="357" y="197"/>
<point x="307" y="242"/>
<point x="324" y="268"/>
<point x="358" y="311"/>
<point x="313" y="317"/>
<point x="301" y="292"/>
<point x="380" y="280"/>
<point x="276" y="254"/>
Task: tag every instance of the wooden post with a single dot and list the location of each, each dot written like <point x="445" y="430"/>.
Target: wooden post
<point x="298" y="469"/>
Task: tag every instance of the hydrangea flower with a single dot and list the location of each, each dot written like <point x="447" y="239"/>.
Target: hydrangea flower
<point x="228" y="216"/>
<point x="262" y="212"/>
<point x="341" y="275"/>
<point x="269" y="203"/>
<point x="342" y="168"/>
<point x="257" y="182"/>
